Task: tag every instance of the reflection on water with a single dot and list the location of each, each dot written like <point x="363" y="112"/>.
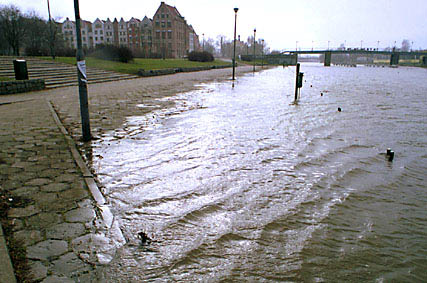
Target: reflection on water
<point x="239" y="184"/>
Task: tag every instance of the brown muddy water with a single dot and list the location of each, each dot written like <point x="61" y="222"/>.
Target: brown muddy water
<point x="242" y="185"/>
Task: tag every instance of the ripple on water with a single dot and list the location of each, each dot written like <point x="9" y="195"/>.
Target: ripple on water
<point x="240" y="185"/>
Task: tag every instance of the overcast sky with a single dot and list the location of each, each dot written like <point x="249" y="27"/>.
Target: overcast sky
<point x="280" y="22"/>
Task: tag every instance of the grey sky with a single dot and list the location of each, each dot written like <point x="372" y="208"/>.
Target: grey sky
<point x="280" y="23"/>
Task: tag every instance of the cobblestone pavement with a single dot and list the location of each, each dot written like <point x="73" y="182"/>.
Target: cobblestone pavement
<point x="60" y="225"/>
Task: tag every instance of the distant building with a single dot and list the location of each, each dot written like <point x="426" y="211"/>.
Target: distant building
<point x="146" y="26"/>
<point x="167" y="34"/>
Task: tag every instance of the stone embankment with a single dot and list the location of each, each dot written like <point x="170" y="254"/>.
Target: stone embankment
<point x="11" y="87"/>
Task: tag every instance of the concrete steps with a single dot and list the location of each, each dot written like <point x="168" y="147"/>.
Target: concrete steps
<point x="58" y="74"/>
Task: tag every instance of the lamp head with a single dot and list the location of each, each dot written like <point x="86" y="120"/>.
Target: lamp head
<point x="236" y="9"/>
<point x="254" y="29"/>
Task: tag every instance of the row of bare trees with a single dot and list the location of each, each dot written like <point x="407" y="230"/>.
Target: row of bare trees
<point x="27" y="32"/>
<point x="223" y="47"/>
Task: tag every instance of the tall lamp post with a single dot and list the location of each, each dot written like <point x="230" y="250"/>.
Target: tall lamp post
<point x="52" y="39"/>
<point x="254" y="46"/>
<point x="203" y="42"/>
<point x="234" y="50"/>
<point x="81" y="74"/>
<point x="262" y="54"/>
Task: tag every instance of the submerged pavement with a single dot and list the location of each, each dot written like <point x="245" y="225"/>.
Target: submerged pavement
<point x="62" y="218"/>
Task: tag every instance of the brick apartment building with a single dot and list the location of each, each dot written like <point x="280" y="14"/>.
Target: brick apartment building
<point x="167" y="34"/>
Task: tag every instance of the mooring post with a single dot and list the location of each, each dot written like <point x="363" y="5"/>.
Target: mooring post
<point x="296" y="83"/>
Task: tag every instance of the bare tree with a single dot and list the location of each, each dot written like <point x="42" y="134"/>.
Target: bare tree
<point x="405" y="45"/>
<point x="12" y="24"/>
<point x="36" y="39"/>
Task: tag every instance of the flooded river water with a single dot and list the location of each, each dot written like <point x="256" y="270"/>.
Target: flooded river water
<point x="238" y="184"/>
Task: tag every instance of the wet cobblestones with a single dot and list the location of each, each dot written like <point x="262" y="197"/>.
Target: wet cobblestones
<point x="60" y="214"/>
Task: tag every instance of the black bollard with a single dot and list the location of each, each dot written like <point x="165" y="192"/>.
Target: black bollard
<point x="391" y="156"/>
<point x="321" y="94"/>
<point x="388" y="151"/>
<point x="339" y="109"/>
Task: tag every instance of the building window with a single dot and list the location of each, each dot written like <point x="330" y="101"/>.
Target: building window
<point x="163" y="24"/>
<point x="101" y="38"/>
<point x="169" y="24"/>
<point x="101" y="32"/>
<point x="96" y="32"/>
<point x="170" y="34"/>
<point x="157" y="24"/>
<point x="158" y="35"/>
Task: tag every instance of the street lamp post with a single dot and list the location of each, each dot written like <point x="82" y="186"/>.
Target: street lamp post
<point x="203" y="42"/>
<point x="361" y="44"/>
<point x="81" y="74"/>
<point x="378" y="45"/>
<point x="262" y="56"/>
<point x="52" y="39"/>
<point x="254" y="46"/>
<point x="328" y="43"/>
<point x="234" y="50"/>
<point x="312" y="45"/>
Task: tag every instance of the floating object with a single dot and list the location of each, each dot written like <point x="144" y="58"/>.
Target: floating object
<point x="321" y="94"/>
<point x="311" y="85"/>
<point x="339" y="109"/>
<point x="144" y="238"/>
<point x="388" y="151"/>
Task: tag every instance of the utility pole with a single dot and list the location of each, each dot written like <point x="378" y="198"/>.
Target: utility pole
<point x="52" y="43"/>
<point x="254" y="47"/>
<point x="81" y="75"/>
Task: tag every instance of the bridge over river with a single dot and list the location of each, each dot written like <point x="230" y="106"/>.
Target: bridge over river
<point x="292" y="55"/>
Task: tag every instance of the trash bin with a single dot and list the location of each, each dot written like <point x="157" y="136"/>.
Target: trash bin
<point x="21" y="72"/>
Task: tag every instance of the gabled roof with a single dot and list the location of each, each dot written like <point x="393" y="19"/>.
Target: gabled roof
<point x="134" y="20"/>
<point x="172" y="10"/>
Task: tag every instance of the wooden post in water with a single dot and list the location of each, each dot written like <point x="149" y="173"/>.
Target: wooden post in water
<point x="296" y="83"/>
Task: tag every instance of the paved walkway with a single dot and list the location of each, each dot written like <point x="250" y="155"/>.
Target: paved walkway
<point x="60" y="224"/>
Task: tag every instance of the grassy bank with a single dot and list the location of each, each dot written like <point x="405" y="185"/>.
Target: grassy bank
<point x="5" y="79"/>
<point x="138" y="63"/>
